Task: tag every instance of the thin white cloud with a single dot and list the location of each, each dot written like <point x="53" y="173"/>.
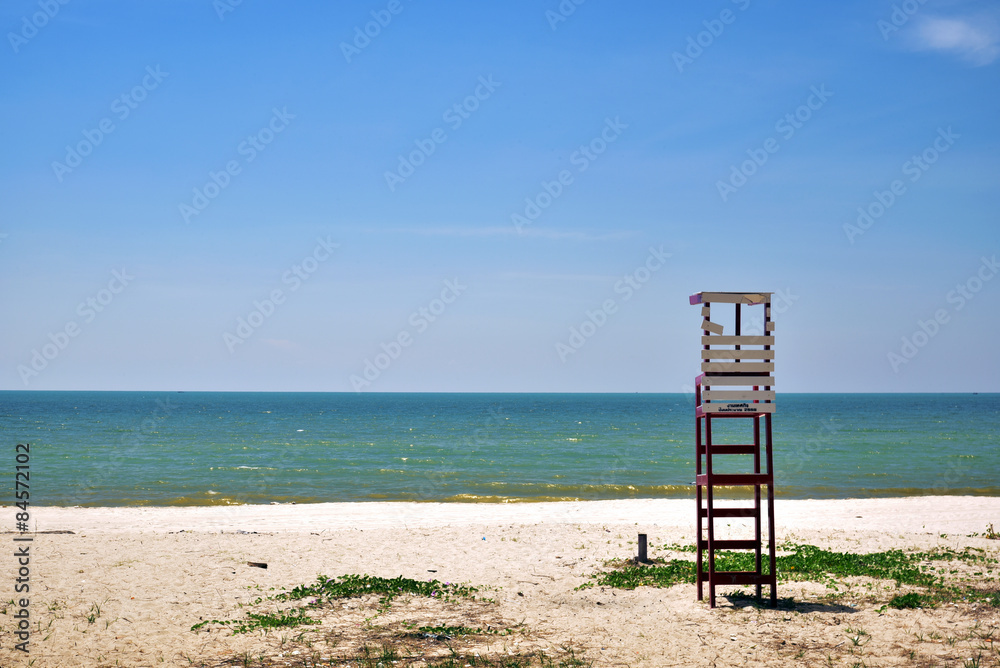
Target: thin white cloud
<point x="975" y="41"/>
<point x="529" y="232"/>
<point x="529" y="276"/>
<point x="281" y="344"/>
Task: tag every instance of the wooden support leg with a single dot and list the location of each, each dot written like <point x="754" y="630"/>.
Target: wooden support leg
<point x="698" y="499"/>
<point x="770" y="512"/>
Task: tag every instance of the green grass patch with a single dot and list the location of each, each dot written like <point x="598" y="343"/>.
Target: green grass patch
<point x="445" y="632"/>
<point x="352" y="586"/>
<point x="673" y="572"/>
<point x="803" y="562"/>
<point x="375" y="658"/>
<point x="347" y="586"/>
<point x="262" y="621"/>
<point x="909" y="601"/>
<point x="382" y="647"/>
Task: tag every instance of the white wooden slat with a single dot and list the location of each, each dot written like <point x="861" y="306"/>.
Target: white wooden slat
<point x="737" y="408"/>
<point x="735" y="297"/>
<point x="737" y="367"/>
<point x="706" y="311"/>
<point x="718" y="340"/>
<point x="738" y="395"/>
<point x="715" y="381"/>
<point x="769" y="326"/>
<point x="714" y="354"/>
<point x="711" y="326"/>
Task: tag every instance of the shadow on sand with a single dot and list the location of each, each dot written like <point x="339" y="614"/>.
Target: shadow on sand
<point x="786" y="603"/>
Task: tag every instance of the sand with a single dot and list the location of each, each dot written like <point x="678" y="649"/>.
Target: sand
<point x="126" y="586"/>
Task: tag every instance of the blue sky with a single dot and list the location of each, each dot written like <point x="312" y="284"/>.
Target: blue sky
<point x="206" y="195"/>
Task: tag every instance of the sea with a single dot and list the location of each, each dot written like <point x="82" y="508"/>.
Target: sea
<point x="219" y="448"/>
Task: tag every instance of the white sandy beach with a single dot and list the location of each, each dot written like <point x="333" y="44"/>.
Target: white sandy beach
<point x="910" y="514"/>
<point x="152" y="573"/>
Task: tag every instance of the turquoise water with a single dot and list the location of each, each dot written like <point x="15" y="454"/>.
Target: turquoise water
<point x="161" y="448"/>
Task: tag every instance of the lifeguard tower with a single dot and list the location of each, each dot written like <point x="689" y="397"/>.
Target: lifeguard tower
<point x="737" y="382"/>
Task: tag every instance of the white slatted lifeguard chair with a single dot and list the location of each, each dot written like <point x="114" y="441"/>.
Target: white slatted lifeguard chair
<point x="737" y="382"/>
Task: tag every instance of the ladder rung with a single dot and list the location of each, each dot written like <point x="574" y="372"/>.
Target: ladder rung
<point x="719" y="479"/>
<point x="731" y="544"/>
<point x="739" y="578"/>
<point x="730" y="449"/>
<point x="730" y="512"/>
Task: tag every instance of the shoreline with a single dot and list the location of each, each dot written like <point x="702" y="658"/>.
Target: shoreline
<point x="917" y="514"/>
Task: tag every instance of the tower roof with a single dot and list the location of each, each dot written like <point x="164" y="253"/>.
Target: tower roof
<point x="731" y="297"/>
